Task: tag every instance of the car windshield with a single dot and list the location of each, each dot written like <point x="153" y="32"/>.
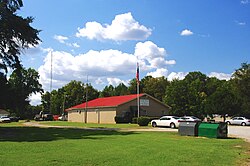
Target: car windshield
<point x="194" y="117"/>
<point x="176" y="117"/>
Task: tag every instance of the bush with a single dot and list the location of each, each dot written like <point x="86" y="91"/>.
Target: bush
<point x="135" y="120"/>
<point x="143" y="121"/>
<point x="122" y="119"/>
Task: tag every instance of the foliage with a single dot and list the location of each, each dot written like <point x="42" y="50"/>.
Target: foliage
<point x="70" y="95"/>
<point x="155" y="87"/>
<point x="123" y="119"/>
<point x="4" y="89"/>
<point x="143" y="121"/>
<point x="110" y="90"/>
<point x="223" y="101"/>
<point x="241" y="81"/>
<point x="15" y="34"/>
<point x="66" y="146"/>
<point x="23" y="83"/>
<point x="188" y="96"/>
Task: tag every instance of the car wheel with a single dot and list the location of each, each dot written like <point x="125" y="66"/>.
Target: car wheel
<point x="228" y="123"/>
<point x="243" y="124"/>
<point x="172" y="125"/>
<point x="154" y="124"/>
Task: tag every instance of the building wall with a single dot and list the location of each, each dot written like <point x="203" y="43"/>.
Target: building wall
<point x="154" y="109"/>
<point x="101" y="115"/>
<point x="96" y="115"/>
<point x="76" y="116"/>
<point x="107" y="114"/>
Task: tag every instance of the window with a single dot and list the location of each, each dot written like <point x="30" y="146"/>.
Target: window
<point x="165" y="118"/>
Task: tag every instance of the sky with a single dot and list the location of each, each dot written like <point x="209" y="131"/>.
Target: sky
<point x="104" y="39"/>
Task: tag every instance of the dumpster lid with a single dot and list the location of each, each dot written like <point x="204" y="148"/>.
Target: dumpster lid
<point x="209" y="125"/>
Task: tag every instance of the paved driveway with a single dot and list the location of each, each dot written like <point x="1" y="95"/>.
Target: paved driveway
<point x="239" y="131"/>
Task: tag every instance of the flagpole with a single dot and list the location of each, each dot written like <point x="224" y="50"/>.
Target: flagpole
<point x="138" y="90"/>
<point x="138" y="100"/>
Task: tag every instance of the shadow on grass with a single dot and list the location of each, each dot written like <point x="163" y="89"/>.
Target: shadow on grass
<point x="33" y="134"/>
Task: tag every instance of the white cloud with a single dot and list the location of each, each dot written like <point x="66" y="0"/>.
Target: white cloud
<point x="244" y="2"/>
<point x="179" y="75"/>
<point x="186" y="32"/>
<point x="100" y="65"/>
<point x="60" y="38"/>
<point x="123" y="27"/>
<point x="75" y="45"/>
<point x="220" y="76"/>
<point x="158" y="73"/>
<point x="240" y="23"/>
<point x="97" y="64"/>
<point x="116" y="81"/>
<point x="151" y="56"/>
<point x="35" y="99"/>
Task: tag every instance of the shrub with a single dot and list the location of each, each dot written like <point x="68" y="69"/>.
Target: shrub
<point x="122" y="119"/>
<point x="135" y="120"/>
<point x="143" y="121"/>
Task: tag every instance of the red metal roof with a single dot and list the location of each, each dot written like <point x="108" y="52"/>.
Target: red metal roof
<point x="106" y="101"/>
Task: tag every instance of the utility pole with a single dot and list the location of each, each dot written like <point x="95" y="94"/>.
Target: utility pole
<point x="86" y="103"/>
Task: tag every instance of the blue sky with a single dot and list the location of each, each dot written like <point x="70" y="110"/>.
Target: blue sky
<point x="105" y="38"/>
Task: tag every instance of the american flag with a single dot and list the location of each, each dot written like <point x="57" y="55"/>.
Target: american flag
<point x="137" y="74"/>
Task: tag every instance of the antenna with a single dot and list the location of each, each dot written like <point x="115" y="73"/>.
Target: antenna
<point x="51" y="71"/>
<point x="50" y="110"/>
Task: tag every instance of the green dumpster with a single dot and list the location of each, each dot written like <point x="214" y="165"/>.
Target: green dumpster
<point x="213" y="130"/>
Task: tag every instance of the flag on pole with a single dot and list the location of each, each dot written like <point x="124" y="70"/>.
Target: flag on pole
<point x="137" y="74"/>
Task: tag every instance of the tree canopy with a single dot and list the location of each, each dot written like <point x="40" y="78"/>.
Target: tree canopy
<point x="15" y="34"/>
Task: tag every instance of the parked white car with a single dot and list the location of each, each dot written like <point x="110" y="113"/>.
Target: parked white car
<point x="238" y="121"/>
<point x="4" y="119"/>
<point x="190" y="118"/>
<point x="167" y="121"/>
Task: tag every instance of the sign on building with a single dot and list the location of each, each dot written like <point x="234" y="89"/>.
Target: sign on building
<point x="144" y="102"/>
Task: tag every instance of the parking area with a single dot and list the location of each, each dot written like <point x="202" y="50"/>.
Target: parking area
<point x="233" y="131"/>
<point x="239" y="131"/>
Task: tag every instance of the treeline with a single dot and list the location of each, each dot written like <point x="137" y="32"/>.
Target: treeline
<point x="197" y="94"/>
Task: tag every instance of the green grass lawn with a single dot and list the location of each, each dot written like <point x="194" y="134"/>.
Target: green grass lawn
<point x="67" y="146"/>
<point x="88" y="125"/>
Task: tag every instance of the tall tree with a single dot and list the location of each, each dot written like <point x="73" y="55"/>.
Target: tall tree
<point x="121" y="89"/>
<point x="176" y="97"/>
<point x="223" y="101"/>
<point x="15" y="34"/>
<point x="4" y="90"/>
<point x="241" y="80"/>
<point x="132" y="88"/>
<point x="108" y="91"/>
<point x="188" y="96"/>
<point x="23" y="83"/>
<point x="70" y="95"/>
<point x="155" y="87"/>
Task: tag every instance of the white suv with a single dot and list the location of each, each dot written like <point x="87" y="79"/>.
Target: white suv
<point x="167" y="121"/>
